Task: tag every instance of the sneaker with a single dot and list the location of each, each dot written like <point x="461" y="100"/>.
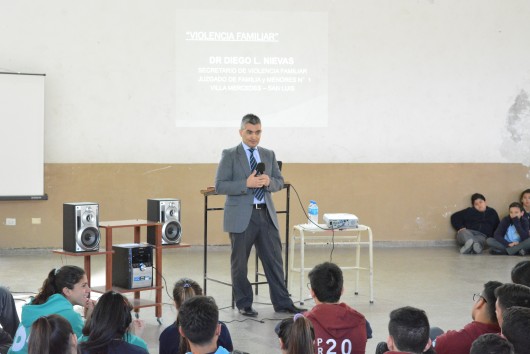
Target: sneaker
<point x="477" y="248"/>
<point x="497" y="252"/>
<point x="467" y="247"/>
<point x="522" y="252"/>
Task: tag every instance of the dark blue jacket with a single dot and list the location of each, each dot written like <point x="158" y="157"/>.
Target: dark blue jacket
<point x="470" y="218"/>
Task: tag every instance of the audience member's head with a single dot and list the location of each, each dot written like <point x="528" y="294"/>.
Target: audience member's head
<point x="199" y="322"/>
<point x="525" y="199"/>
<point x="296" y="335"/>
<point x="516" y="210"/>
<point x="509" y="295"/>
<point x="516" y="328"/>
<point x="69" y="280"/>
<point x="521" y="273"/>
<point x="485" y="305"/>
<point x="52" y="334"/>
<point x="408" y="330"/>
<point x="491" y="343"/>
<point x="110" y="321"/>
<point x="478" y="201"/>
<point x="185" y="289"/>
<point x="326" y="282"/>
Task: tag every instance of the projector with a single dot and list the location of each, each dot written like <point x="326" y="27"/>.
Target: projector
<point x="341" y="221"/>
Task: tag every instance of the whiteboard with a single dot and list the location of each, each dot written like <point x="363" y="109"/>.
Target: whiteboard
<point x="21" y="136"/>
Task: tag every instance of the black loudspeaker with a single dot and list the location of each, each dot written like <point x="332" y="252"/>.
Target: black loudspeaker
<point x="81" y="227"/>
<point x="132" y="266"/>
<point x="167" y="212"/>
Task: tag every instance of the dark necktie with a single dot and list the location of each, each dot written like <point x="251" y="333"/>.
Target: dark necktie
<point x="258" y="192"/>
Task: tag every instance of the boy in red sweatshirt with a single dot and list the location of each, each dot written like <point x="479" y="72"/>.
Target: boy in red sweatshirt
<point x="338" y="327"/>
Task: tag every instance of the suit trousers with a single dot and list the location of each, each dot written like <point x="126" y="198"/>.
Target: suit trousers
<point x="261" y="233"/>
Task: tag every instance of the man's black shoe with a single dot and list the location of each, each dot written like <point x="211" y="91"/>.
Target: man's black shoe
<point x="292" y="309"/>
<point x="248" y="311"/>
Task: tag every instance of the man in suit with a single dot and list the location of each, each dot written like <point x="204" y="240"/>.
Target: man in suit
<point x="250" y="217"/>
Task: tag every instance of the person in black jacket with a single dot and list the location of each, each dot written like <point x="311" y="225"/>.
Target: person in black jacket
<point x="474" y="225"/>
<point x="512" y="234"/>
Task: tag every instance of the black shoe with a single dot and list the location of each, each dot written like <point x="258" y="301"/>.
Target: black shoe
<point x="248" y="311"/>
<point x="497" y="252"/>
<point x="292" y="309"/>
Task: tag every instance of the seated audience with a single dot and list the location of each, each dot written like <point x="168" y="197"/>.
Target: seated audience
<point x="509" y="295"/>
<point x="336" y="324"/>
<point x="9" y="321"/>
<point x="484" y="321"/>
<point x="199" y="325"/>
<point x="525" y="201"/>
<point x="170" y="338"/>
<point x="521" y="273"/>
<point x="296" y="336"/>
<point x="512" y="235"/>
<point x="52" y="334"/>
<point x="63" y="288"/>
<point x="491" y="344"/>
<point x="107" y="330"/>
<point x="474" y="225"/>
<point x="408" y="331"/>
<point x="8" y="312"/>
<point x="516" y="328"/>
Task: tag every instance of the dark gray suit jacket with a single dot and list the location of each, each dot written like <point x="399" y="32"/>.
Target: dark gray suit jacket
<point x="231" y="180"/>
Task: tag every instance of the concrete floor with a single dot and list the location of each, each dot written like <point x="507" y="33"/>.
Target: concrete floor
<point x="438" y="280"/>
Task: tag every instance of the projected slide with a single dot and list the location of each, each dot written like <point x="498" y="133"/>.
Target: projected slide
<point x="273" y="64"/>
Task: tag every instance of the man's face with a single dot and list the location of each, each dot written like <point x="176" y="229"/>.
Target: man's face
<point x="515" y="213"/>
<point x="480" y="205"/>
<point x="251" y="134"/>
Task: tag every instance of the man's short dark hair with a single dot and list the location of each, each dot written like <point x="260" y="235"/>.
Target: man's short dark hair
<point x="491" y="343"/>
<point x="489" y="295"/>
<point x="409" y="327"/>
<point x="327" y="282"/>
<point x="509" y="295"/>
<point x="476" y="196"/>
<point x="516" y="327"/>
<point x="250" y="119"/>
<point x="521" y="273"/>
<point x="199" y="317"/>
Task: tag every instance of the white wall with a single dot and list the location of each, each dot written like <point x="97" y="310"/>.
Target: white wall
<point x="408" y="80"/>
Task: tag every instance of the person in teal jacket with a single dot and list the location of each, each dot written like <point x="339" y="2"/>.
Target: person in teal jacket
<point x="107" y="331"/>
<point x="63" y="288"/>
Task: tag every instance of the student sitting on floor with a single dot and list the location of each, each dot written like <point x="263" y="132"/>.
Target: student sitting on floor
<point x="525" y="201"/>
<point x="107" y="331"/>
<point x="516" y="327"/>
<point x="199" y="325"/>
<point x="484" y="321"/>
<point x="491" y="344"/>
<point x="296" y="335"/>
<point x="509" y="295"/>
<point x="521" y="273"/>
<point x="170" y="338"/>
<point x="474" y="225"/>
<point x="52" y="334"/>
<point x="408" y="331"/>
<point x="8" y="319"/>
<point x="512" y="234"/>
<point x="336" y="324"/>
<point x="63" y="288"/>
